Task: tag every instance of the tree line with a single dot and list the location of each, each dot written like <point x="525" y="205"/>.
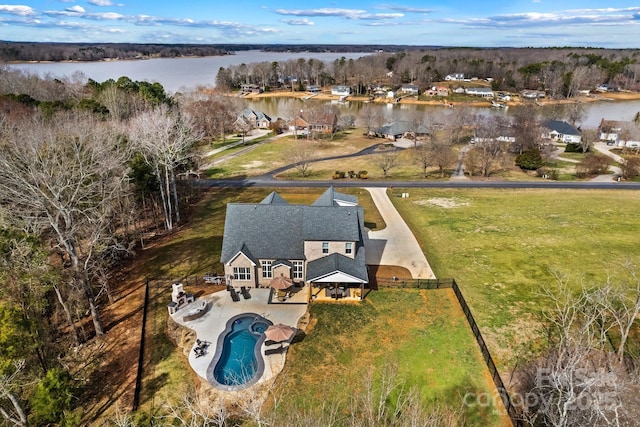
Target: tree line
<point x="561" y="73"/>
<point x="85" y="175"/>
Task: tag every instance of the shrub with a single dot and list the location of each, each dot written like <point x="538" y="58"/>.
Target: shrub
<point x="529" y="160"/>
<point x="573" y="147"/>
<point x="363" y="174"/>
<point x="338" y="175"/>
<point x="52" y="397"/>
<point x="630" y="168"/>
<point x="594" y="164"/>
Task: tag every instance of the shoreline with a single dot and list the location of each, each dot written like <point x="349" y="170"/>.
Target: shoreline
<point x="608" y="97"/>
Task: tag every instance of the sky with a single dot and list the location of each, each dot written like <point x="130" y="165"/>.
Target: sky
<point x="472" y="23"/>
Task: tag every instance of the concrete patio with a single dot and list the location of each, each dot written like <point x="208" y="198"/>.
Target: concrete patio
<point x="222" y="308"/>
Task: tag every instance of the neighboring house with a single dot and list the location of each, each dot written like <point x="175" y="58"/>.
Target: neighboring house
<point x="532" y="94"/>
<point x="326" y="122"/>
<point x="442" y="91"/>
<point x="341" y="90"/>
<point x="253" y="119"/>
<point x="454" y="77"/>
<point x="378" y="90"/>
<point x="484" y="92"/>
<point x="458" y="90"/>
<point x="610" y="87"/>
<point x="409" y="90"/>
<point x="250" y="88"/>
<point x="398" y="130"/>
<point x="619" y="133"/>
<point x="561" y="131"/>
<point x="313" y="88"/>
<point x="321" y="245"/>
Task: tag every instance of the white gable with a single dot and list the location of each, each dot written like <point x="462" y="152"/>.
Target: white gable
<point x="336" y="277"/>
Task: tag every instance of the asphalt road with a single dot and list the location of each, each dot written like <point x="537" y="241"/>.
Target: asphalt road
<point x="271" y="182"/>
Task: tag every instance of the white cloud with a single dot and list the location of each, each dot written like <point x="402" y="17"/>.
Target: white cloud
<point x="302" y="21"/>
<point x="16" y="9"/>
<point x="101" y="2"/>
<point x="347" y="13"/>
<point x="75" y="9"/>
<point x="354" y="14"/>
<point x="407" y="9"/>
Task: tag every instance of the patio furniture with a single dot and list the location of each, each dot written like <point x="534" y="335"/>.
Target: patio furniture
<point x="276" y="350"/>
<point x="245" y="292"/>
<point x="234" y="295"/>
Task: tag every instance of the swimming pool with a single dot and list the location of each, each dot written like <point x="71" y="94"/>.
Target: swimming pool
<point x="238" y="362"/>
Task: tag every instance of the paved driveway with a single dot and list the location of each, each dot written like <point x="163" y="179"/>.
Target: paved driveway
<point x="396" y="244"/>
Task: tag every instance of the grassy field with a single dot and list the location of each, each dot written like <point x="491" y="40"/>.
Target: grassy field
<point x="430" y="343"/>
<point x="503" y="245"/>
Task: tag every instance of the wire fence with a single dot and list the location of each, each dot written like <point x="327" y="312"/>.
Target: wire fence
<point x="395" y="282"/>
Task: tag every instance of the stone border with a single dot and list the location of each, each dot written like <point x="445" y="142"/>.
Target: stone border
<point x="257" y="354"/>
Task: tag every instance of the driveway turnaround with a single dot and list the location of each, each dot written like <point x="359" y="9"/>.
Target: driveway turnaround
<point x="396" y="244"/>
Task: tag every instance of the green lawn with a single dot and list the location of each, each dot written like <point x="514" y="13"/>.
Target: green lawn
<point x="502" y="246"/>
<point x="422" y="332"/>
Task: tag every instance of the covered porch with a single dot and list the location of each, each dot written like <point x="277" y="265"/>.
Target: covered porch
<point x="337" y="277"/>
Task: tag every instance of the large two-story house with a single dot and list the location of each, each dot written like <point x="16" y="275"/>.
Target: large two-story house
<point x="321" y="245"/>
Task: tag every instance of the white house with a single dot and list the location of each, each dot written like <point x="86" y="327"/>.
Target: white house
<point x="484" y="92"/>
<point x="561" y="131"/>
<point x="410" y="89"/>
<point x="619" y="133"/>
<point x="454" y="77"/>
<point x="341" y="90"/>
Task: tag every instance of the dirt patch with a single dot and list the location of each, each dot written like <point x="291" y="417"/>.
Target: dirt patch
<point x="383" y="273"/>
<point x="253" y="165"/>
<point x="443" y="202"/>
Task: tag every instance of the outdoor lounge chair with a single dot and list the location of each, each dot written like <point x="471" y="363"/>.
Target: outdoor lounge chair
<point x="276" y="350"/>
<point x="271" y="342"/>
<point x="234" y="295"/>
<point x="245" y="292"/>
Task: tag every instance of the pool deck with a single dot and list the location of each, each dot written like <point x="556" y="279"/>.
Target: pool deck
<point x="222" y="308"/>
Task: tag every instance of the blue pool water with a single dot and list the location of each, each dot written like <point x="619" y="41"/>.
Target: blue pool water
<point x="238" y="362"/>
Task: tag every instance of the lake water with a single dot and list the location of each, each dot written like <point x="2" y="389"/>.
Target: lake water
<point x="594" y="112"/>
<point x="186" y="73"/>
<point x="173" y="73"/>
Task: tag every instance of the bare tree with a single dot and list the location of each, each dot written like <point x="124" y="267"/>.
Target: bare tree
<point x="196" y="409"/>
<point x="164" y="138"/>
<point x="423" y="158"/>
<point x="588" y="138"/>
<point x="620" y="304"/>
<point x="64" y="177"/>
<point x="371" y="117"/>
<point x="387" y="161"/>
<point x="14" y="413"/>
<point x="442" y="155"/>
<point x="302" y="157"/>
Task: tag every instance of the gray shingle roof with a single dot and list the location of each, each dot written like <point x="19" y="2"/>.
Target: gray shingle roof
<point x="332" y="198"/>
<point x="561" y="127"/>
<point x="278" y="231"/>
<point x="400" y="128"/>
<point x="337" y="262"/>
<point x="273" y="199"/>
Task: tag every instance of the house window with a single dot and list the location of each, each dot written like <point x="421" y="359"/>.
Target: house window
<point x="267" y="273"/>
<point x="325" y="247"/>
<point x="348" y="247"/>
<point x="241" y="273"/>
<point x="297" y="269"/>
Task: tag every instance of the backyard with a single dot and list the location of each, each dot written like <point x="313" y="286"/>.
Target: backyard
<point x="503" y="246"/>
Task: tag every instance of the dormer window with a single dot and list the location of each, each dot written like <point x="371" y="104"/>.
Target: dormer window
<point x="325" y="247"/>
<point x="348" y="247"/>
